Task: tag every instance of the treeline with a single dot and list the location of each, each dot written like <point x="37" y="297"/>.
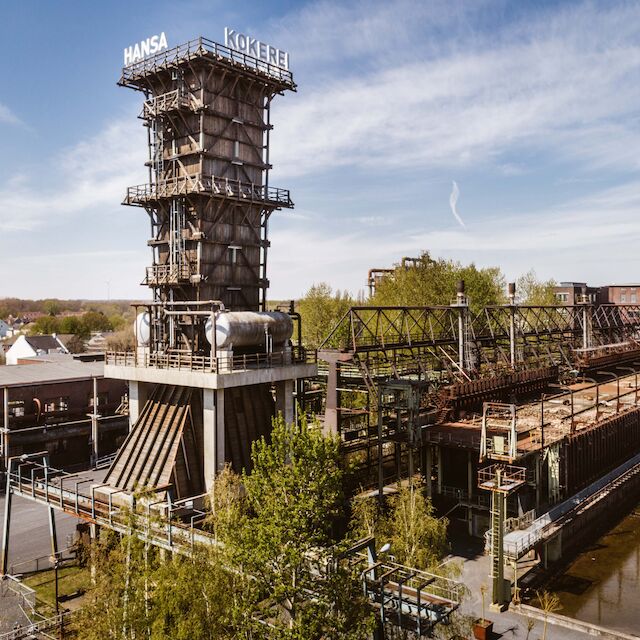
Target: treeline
<point x="81" y="325"/>
<point x="17" y="307"/>
<point x="424" y="281"/>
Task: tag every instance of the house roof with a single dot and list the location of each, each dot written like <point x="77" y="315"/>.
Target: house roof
<point x="60" y="370"/>
<point x="43" y="343"/>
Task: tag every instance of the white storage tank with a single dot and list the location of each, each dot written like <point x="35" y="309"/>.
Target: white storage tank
<point x="142" y="329"/>
<point x="249" y="328"/>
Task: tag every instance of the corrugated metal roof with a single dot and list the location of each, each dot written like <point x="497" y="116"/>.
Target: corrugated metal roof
<point x="62" y="370"/>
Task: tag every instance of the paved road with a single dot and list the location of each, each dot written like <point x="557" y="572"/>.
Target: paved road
<point x="30" y="530"/>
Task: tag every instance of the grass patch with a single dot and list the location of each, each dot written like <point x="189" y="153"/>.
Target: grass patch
<point x="71" y="579"/>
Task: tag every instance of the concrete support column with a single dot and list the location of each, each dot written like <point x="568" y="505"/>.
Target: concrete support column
<point x="429" y="470"/>
<point x="209" y="436"/>
<point x="470" y="485"/>
<point x="6" y="530"/>
<point x="138" y="396"/>
<point x="284" y="400"/>
<point x="5" y="428"/>
<point x="94" y="533"/>
<point x="332" y="410"/>
<point x="439" y="463"/>
<point x="220" y="439"/>
<point x="94" y="424"/>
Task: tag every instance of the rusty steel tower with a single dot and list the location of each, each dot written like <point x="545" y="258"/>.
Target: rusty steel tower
<point x="207" y="112"/>
<point x="211" y="366"/>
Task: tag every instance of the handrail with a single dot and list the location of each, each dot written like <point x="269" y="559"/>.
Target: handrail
<point x="215" y="185"/>
<point x="208" y="364"/>
<point x="198" y="48"/>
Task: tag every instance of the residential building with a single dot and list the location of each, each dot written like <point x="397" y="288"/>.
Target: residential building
<point x="28" y="347"/>
<point x="621" y="293"/>
<point x="570" y="293"/>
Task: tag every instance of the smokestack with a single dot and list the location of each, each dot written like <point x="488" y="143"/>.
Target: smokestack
<point x="512" y="292"/>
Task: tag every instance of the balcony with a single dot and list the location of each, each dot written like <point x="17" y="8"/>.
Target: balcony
<point x="211" y="364"/>
<point x="167" y="102"/>
<point x="199" y="184"/>
<point x="164" y="274"/>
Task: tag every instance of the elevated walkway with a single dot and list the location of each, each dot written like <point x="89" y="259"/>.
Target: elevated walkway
<point x="550" y="524"/>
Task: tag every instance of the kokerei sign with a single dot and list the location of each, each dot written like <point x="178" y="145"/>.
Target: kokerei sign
<point x="253" y="47"/>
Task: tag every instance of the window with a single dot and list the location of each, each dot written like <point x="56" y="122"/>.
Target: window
<point x="56" y="404"/>
<point x="16" y="408"/>
<point x="623" y="297"/>
<point x="103" y="399"/>
<point x="634" y="298"/>
<point x="233" y="253"/>
<point x="562" y="297"/>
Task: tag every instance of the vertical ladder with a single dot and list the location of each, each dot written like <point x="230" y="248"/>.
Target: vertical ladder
<point x="498" y="505"/>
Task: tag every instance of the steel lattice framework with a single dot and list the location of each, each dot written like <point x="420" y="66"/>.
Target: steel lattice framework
<point x="382" y="335"/>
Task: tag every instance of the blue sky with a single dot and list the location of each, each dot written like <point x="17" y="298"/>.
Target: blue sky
<point x="532" y="108"/>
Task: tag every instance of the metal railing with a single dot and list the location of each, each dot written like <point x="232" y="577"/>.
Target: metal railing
<point x="169" y="273"/>
<point x="210" y="364"/>
<point x="37" y="629"/>
<point x="170" y="101"/>
<point x="423" y="598"/>
<point x="203" y="47"/>
<point x="409" y="598"/>
<point x="208" y="184"/>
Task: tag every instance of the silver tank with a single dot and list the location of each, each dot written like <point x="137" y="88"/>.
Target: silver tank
<point x="248" y="328"/>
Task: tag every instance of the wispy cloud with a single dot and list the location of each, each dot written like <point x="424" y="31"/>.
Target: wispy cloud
<point x="453" y="203"/>
<point x="549" y="82"/>
<point x="7" y="116"/>
<point x="562" y="242"/>
<point x="86" y="177"/>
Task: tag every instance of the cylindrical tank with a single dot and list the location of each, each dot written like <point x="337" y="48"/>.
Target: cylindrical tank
<point x="142" y="329"/>
<point x="249" y="328"/>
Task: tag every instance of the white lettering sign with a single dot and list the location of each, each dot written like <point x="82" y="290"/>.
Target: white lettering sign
<point x="147" y="47"/>
<point x="252" y="47"/>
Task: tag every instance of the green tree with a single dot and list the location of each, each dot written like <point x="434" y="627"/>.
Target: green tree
<point x="197" y="598"/>
<point x="532" y="291"/>
<point x="432" y="282"/>
<point x="321" y="309"/>
<point x="96" y="321"/>
<point x="293" y="497"/>
<point x="417" y="537"/>
<point x="45" y="325"/>
<point x="74" y="325"/>
<point x="51" y="307"/>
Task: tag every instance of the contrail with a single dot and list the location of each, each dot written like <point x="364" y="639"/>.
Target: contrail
<point x="453" y="199"/>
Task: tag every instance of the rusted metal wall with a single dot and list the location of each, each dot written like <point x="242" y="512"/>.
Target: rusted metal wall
<point x="587" y="455"/>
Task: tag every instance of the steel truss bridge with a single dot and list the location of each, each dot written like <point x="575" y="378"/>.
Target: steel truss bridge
<point x="455" y="335"/>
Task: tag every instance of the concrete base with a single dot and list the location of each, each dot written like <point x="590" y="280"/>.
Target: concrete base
<point x="205" y="380"/>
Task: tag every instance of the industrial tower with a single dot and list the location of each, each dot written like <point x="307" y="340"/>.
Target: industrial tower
<point x="210" y="360"/>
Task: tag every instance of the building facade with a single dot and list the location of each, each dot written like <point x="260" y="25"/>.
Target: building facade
<point x="67" y="408"/>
